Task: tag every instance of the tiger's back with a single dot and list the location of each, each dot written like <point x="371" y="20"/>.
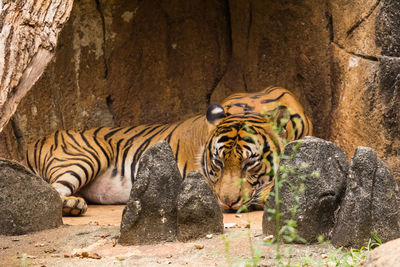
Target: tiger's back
<point x="268" y="101"/>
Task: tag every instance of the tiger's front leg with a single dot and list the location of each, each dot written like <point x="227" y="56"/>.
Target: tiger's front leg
<point x="73" y="206"/>
<point x="66" y="186"/>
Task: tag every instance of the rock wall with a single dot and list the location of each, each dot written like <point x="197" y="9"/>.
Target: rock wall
<point x="365" y="78"/>
<point x="126" y="63"/>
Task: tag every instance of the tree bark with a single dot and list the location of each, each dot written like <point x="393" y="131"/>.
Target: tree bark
<point x="28" y="35"/>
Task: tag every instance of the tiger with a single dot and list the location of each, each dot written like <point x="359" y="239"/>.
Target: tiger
<point x="243" y="143"/>
<point x="234" y="141"/>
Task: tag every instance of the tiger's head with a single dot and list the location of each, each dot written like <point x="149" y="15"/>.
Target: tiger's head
<point x="237" y="159"/>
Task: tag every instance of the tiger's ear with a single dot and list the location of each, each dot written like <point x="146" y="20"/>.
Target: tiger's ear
<point x="215" y="113"/>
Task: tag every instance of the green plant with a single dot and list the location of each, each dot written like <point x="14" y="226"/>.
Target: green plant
<point x="120" y="260"/>
<point x="23" y="260"/>
<point x="227" y="254"/>
<point x="288" y="230"/>
<point x="376" y="243"/>
<point x="341" y="257"/>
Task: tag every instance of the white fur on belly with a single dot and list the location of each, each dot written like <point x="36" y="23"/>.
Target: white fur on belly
<point x="106" y="189"/>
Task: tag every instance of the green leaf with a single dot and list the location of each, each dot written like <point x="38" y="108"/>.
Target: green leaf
<point x="377" y="239"/>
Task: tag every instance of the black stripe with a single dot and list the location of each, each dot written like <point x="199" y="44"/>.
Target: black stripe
<point x="110" y="134"/>
<point x="245" y="106"/>
<point x="47" y="168"/>
<point x="94" y="154"/>
<point x="247" y="139"/>
<point x="130" y="140"/>
<point x="101" y="148"/>
<point x="225" y="139"/>
<point x="77" y="177"/>
<point x="126" y="150"/>
<point x="43" y="165"/>
<point x="177" y="151"/>
<point x="198" y="117"/>
<point x="141" y="149"/>
<point x="28" y="162"/>
<point x="74" y="157"/>
<point x="295" y="128"/>
<point x="130" y="129"/>
<point x="248" y="121"/>
<point x="111" y="147"/>
<point x="95" y="157"/>
<point x="79" y="154"/>
<point x="62" y="139"/>
<point x="209" y="145"/>
<point x="247" y="147"/>
<point x="67" y="144"/>
<point x="271" y="89"/>
<point x="40" y="154"/>
<point x="266" y="147"/>
<point x="72" y="137"/>
<point x="69" y="165"/>
<point x="270" y="159"/>
<point x="152" y="130"/>
<point x="241" y="121"/>
<point x="87" y="143"/>
<point x="68" y="185"/>
<point x="79" y="147"/>
<point x="202" y="164"/>
<point x="184" y="171"/>
<point x="235" y="97"/>
<point x="236" y="117"/>
<point x="256" y="96"/>
<point x="266" y="101"/>
<point x="81" y="159"/>
<point x="35" y="154"/>
<point x="239" y="150"/>
<point x="55" y="140"/>
<point x="168" y="138"/>
<point x="258" y="167"/>
<point x="256" y="182"/>
<point x="117" y="155"/>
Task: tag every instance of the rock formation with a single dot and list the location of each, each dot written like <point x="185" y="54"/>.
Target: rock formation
<point x="321" y="167"/>
<point x="27" y="202"/>
<point x="199" y="213"/>
<point x="162" y="207"/>
<point x="150" y="215"/>
<point x="371" y="203"/>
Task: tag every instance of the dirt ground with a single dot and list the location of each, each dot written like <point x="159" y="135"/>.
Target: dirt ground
<point x="94" y="236"/>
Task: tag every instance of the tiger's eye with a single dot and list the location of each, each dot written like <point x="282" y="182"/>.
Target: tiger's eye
<point x="250" y="164"/>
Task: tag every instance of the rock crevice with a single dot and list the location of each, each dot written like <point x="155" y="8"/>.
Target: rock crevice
<point x="366" y="57"/>
<point x="363" y="19"/>
<point x="104" y="45"/>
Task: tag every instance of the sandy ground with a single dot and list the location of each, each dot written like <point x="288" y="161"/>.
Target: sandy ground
<point x="96" y="234"/>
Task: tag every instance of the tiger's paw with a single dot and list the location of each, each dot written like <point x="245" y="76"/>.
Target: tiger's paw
<point x="73" y="206"/>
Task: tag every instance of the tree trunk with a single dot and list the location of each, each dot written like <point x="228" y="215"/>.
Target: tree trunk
<point x="28" y="35"/>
